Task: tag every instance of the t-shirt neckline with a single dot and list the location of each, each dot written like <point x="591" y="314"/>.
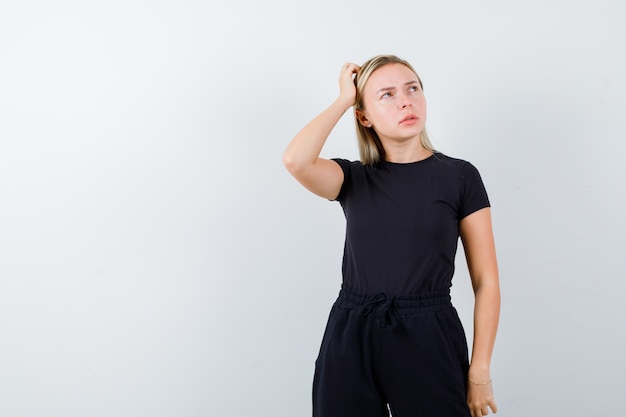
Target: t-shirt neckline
<point x="399" y="164"/>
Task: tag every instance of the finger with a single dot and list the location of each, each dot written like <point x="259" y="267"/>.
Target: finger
<point x="493" y="407"/>
<point x="350" y="67"/>
<point x="477" y="412"/>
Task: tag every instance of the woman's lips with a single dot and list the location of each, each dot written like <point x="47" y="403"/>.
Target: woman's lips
<point x="409" y="120"/>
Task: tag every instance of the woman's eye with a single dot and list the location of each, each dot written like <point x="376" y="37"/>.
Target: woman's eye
<point x="413" y="88"/>
<point x="386" y="95"/>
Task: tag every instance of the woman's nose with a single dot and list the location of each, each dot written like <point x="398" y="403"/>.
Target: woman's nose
<point x="404" y="101"/>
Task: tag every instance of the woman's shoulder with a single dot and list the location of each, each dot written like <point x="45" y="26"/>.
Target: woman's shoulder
<point x="349" y="166"/>
<point x="347" y="162"/>
<point x="457" y="167"/>
<point x="449" y="159"/>
<point x="452" y="161"/>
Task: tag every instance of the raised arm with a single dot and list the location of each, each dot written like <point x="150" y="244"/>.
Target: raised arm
<point x="480" y="252"/>
<point x="301" y="158"/>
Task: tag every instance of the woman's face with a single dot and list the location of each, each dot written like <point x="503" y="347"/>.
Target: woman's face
<point x="393" y="103"/>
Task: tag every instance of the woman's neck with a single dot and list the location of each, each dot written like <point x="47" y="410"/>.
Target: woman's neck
<point x="403" y="153"/>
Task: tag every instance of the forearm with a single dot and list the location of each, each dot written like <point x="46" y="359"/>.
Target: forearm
<point x="486" y="317"/>
<point x="305" y="148"/>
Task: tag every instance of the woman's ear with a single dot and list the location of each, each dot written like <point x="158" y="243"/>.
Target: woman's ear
<point x="362" y="118"/>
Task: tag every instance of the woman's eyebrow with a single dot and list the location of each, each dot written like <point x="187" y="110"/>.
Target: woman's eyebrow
<point x="393" y="88"/>
<point x="385" y="89"/>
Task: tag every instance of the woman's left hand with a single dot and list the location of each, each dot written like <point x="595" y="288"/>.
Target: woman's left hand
<point x="480" y="399"/>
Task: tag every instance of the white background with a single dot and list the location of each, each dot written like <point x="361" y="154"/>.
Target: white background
<point x="156" y="259"/>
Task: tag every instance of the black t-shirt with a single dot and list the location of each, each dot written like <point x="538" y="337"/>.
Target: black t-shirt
<point x="402" y="222"/>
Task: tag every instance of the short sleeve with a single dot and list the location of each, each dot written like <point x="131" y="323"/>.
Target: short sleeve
<point x="345" y="167"/>
<point x="474" y="195"/>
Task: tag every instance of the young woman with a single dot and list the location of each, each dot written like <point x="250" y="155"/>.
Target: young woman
<point x="394" y="340"/>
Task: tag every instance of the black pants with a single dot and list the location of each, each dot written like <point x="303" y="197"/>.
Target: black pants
<point x="406" y="352"/>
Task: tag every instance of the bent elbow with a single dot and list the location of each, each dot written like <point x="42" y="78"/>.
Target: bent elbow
<point x="289" y="162"/>
<point x="292" y="163"/>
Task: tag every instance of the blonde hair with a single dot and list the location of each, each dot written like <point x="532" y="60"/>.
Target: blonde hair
<point x="371" y="148"/>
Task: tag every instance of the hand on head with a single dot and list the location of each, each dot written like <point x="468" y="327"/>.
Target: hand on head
<point x="347" y="89"/>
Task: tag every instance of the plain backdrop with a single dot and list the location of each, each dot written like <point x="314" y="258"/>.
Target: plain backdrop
<point x="156" y="259"/>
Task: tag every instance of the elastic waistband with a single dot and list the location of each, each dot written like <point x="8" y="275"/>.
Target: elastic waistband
<point x="386" y="306"/>
<point x="348" y="298"/>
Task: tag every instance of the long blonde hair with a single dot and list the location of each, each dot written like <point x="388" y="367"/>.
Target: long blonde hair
<point x="370" y="147"/>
